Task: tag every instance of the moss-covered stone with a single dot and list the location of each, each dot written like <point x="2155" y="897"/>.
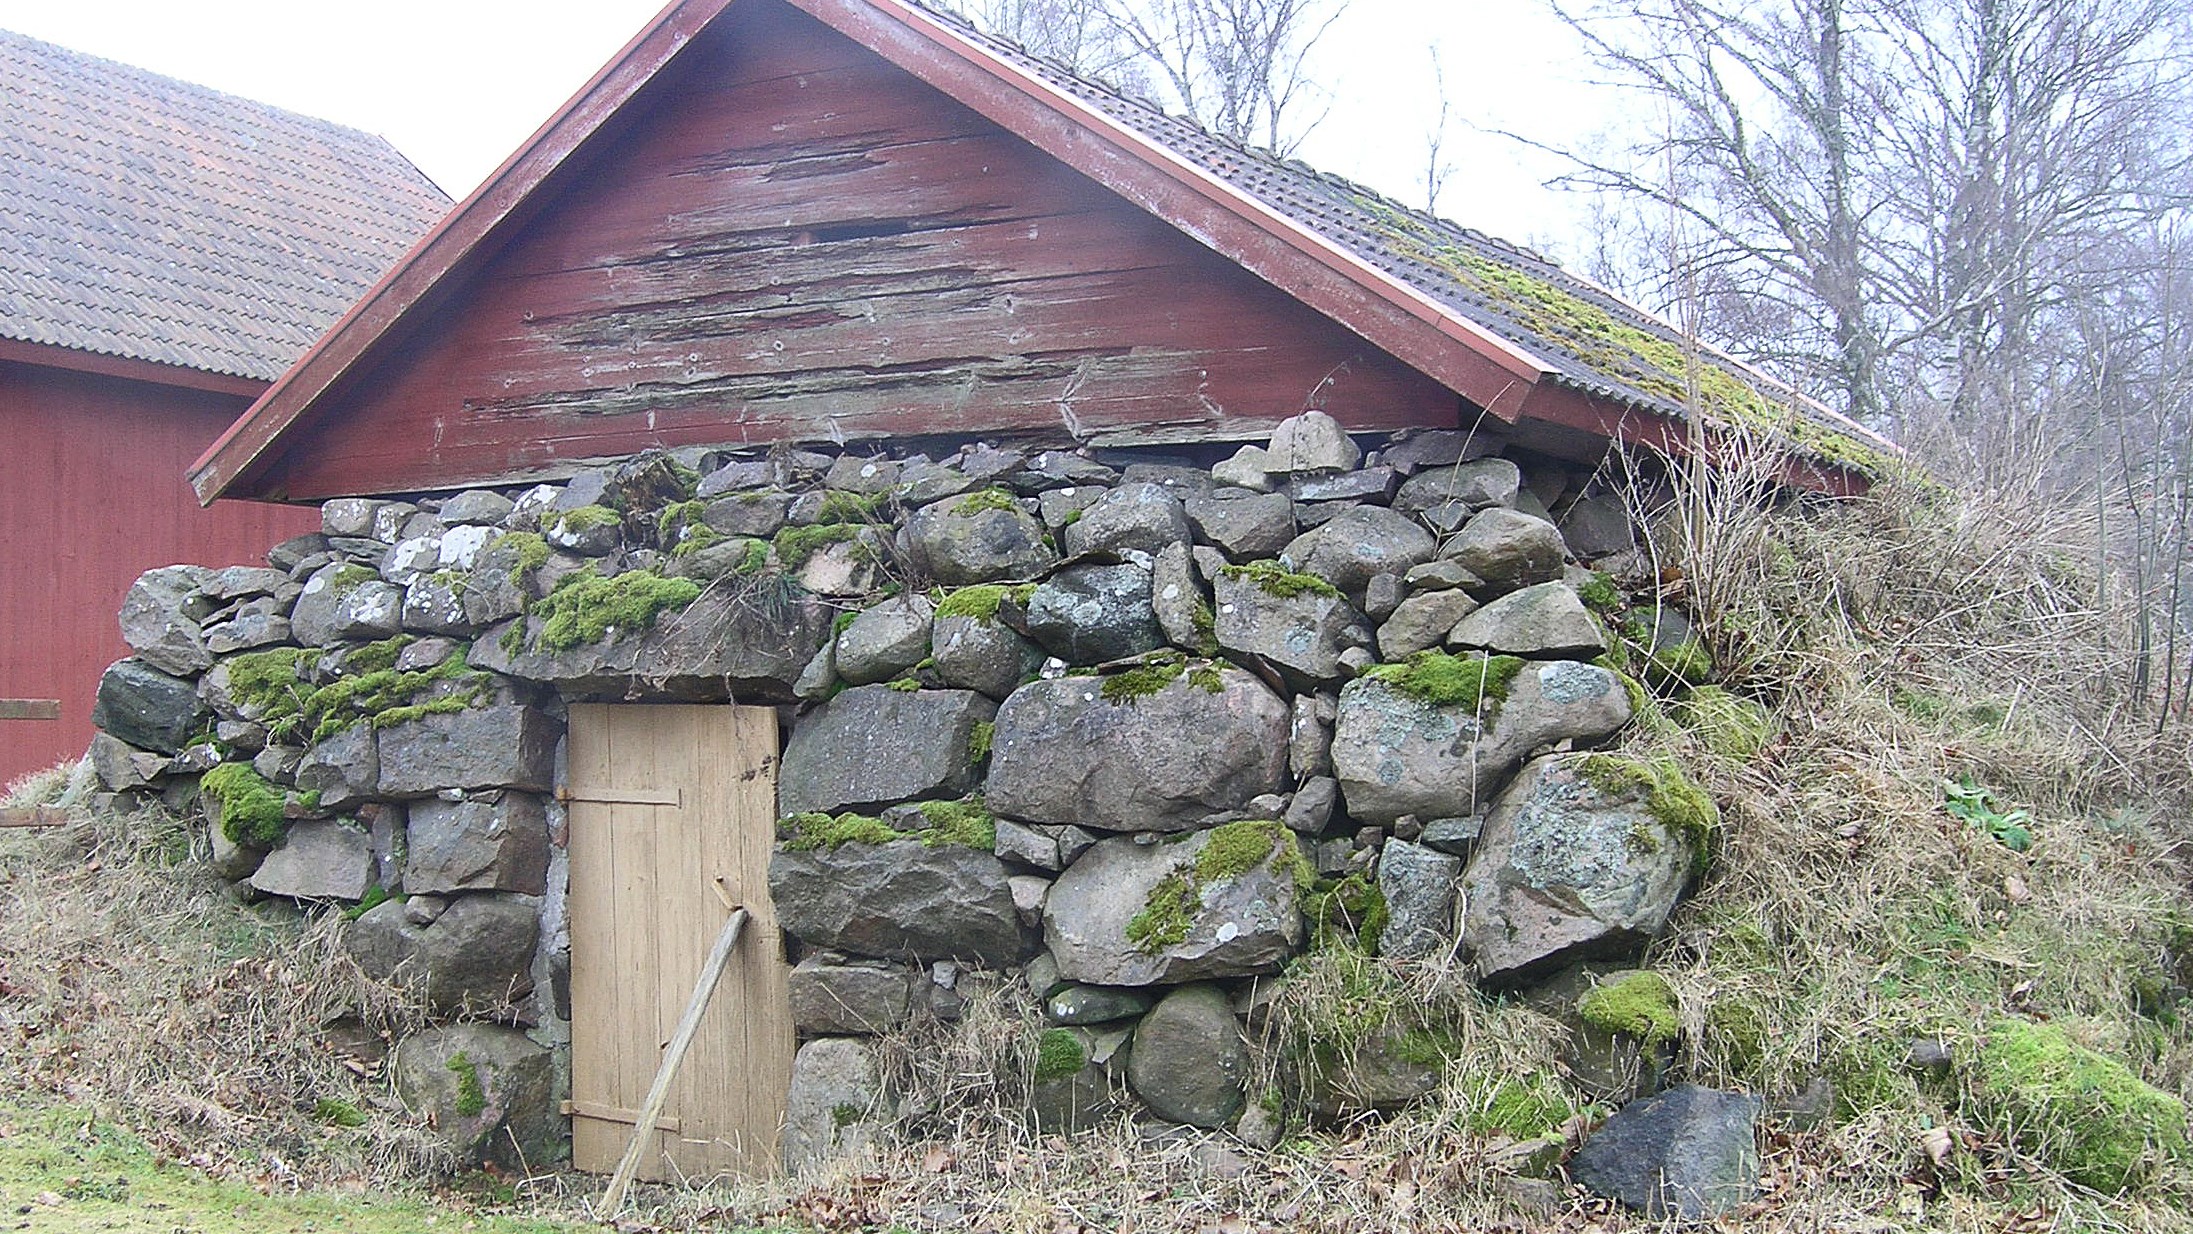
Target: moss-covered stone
<point x="585" y="606"/>
<point x="816" y="830"/>
<point x="794" y="545"/>
<point x="1166" y="914"/>
<point x="2088" y="1116"/>
<point x="980" y="741"/>
<point x="471" y="1098"/>
<point x="968" y="823"/>
<point x="1521" y="1108"/>
<point x="1156" y="673"/>
<point x="247" y="808"/>
<point x="531" y="552"/>
<point x="1229" y="851"/>
<point x="980" y="601"/>
<point x="1059" y="1054"/>
<point x="1277" y="580"/>
<point x="1344" y="909"/>
<point x="1672" y="798"/>
<point x="987" y="499"/>
<point x="585" y="518"/>
<point x="1634" y="1004"/>
<point x="1469" y="682"/>
<point x="1600" y="595"/>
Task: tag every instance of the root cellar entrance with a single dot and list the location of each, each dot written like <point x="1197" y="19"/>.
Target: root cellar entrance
<point x="672" y="813"/>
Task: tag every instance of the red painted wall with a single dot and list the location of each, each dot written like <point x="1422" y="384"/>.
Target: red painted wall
<point x="92" y="494"/>
<point x="790" y="239"/>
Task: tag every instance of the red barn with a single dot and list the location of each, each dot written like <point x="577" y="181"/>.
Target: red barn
<point x="165" y="252"/>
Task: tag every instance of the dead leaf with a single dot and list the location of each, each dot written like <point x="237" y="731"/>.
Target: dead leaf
<point x="1939" y="1144"/>
<point x="938" y="1160"/>
<point x="2015" y="888"/>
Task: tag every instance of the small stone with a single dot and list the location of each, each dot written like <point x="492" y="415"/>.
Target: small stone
<point x="1479" y="484"/>
<point x="1422" y="622"/>
<point x="1355" y="544"/>
<point x="1312" y="806"/>
<point x="1251" y="467"/>
<point x="1310" y="736"/>
<point x="1928" y="1054"/>
<point x="1372" y="485"/>
<point x="1439" y="575"/>
<point x="1244" y="525"/>
<point x="1507" y="549"/>
<point x="1092" y="614"/>
<point x="1452" y="835"/>
<point x="1089" y="1004"/>
<point x="834" y="1104"/>
<point x="1029" y="893"/>
<point x="477" y="506"/>
<point x="866" y="996"/>
<point x="318" y="860"/>
<point x="1437" y="448"/>
<point x="1381" y="596"/>
<point x="1545" y="621"/>
<point x="1419" y="885"/>
<point x="1144" y="517"/>
<point x="1688" y="1153"/>
<point x="885" y="641"/>
<point x="1189" y="1063"/>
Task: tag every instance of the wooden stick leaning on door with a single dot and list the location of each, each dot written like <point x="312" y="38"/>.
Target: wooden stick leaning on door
<point x="643" y="1128"/>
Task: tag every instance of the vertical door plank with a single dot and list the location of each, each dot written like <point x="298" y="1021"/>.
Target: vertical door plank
<point x="596" y="1022"/>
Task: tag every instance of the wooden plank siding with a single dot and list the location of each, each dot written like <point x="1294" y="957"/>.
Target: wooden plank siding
<point x="673" y="812"/>
<point x="792" y="239"/>
<point x="95" y="495"/>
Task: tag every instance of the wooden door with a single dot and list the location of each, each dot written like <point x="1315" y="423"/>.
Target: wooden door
<point x="673" y="812"/>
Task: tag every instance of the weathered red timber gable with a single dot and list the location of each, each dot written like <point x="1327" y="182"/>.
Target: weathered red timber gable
<point x="817" y="220"/>
<point x="165" y="251"/>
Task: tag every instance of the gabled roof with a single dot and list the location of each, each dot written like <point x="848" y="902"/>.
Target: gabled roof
<point x="1498" y="325"/>
<point x="148" y="219"/>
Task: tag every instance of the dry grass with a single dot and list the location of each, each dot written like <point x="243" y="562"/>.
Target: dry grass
<point x="132" y="984"/>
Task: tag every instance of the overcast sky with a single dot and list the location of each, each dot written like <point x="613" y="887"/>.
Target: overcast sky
<point x="457" y="85"/>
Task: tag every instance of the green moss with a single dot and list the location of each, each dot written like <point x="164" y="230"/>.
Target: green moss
<point x="795" y="545"/>
<point x="1659" y="366"/>
<point x="336" y="1112"/>
<point x="248" y="809"/>
<point x="845" y="1114"/>
<point x="471" y="1098"/>
<point x="979" y="602"/>
<point x="1672" y="798"/>
<point x="2085" y="1114"/>
<point x="1472" y="682"/>
<point x="585" y="607"/>
<point x="1158" y="671"/>
<point x="904" y="685"/>
<point x="585" y="518"/>
<point x="1349" y="908"/>
<point x="1688" y="662"/>
<point x="1205" y="623"/>
<point x="1636" y="1004"/>
<point x="1165" y="915"/>
<point x="377" y="657"/>
<point x="1059" y="1055"/>
<point x="448" y="705"/>
<point x="1276" y="580"/>
<point x="1522" y="1108"/>
<point x="349" y="578"/>
<point x="1228" y="851"/>
<point x="701" y="535"/>
<point x="1727" y="724"/>
<point x="967" y="823"/>
<point x="979" y="741"/>
<point x="1600" y="595"/>
<point x="388" y="697"/>
<point x="375" y="896"/>
<point x="988" y="499"/>
<point x="843" y="507"/>
<point x="531" y="551"/>
<point x="816" y="830"/>
<point x="675" y="518"/>
<point x="1072" y="517"/>
<point x="309" y="801"/>
<point x="266" y="684"/>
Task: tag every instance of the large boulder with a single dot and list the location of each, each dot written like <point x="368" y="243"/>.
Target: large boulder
<point x="476" y="956"/>
<point x="343" y="600"/>
<point x="1155" y="749"/>
<point x="1357" y="543"/>
<point x="1243" y="524"/>
<point x="1418" y="884"/>
<point x="1544" y="621"/>
<point x="499" y="746"/>
<point x="1689" y="1153"/>
<point x="160" y="616"/>
<point x="1310" y="443"/>
<point x="1477" y="484"/>
<point x="981" y="653"/>
<point x="147" y="708"/>
<point x="319" y="859"/>
<point x="1297" y="623"/>
<point x="1508" y="549"/>
<point x="489" y="1092"/>
<point x="978" y="539"/>
<point x="488" y="842"/>
<point x="835" y="1102"/>
<point x="749" y="643"/>
<point x="1189" y="1063"/>
<point x="1213" y="904"/>
<point x="874" y="745"/>
<point x="1137" y="517"/>
<point x="831" y="994"/>
<point x="1396" y="750"/>
<point x="884" y="641"/>
<point x="904" y="898"/>
<point x="1091" y="614"/>
<point x="1583" y="857"/>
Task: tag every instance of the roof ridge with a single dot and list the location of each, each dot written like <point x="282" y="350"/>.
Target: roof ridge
<point x="117" y="68"/>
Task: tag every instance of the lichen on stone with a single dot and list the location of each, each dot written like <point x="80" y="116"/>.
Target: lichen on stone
<point x="1470" y="682"/>
<point x="1277" y="580"/>
<point x="1636" y="1004"/>
<point x="247" y="808"/>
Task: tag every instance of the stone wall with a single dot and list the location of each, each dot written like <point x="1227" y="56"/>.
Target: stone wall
<point x="1132" y="732"/>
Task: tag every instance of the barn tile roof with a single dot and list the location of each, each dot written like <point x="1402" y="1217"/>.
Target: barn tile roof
<point x="150" y="219"/>
<point x="1586" y="336"/>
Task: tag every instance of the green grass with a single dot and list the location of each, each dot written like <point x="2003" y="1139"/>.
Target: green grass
<point x="63" y="1171"/>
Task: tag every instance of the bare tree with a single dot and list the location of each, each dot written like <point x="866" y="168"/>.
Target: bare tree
<point x="1438" y="166"/>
